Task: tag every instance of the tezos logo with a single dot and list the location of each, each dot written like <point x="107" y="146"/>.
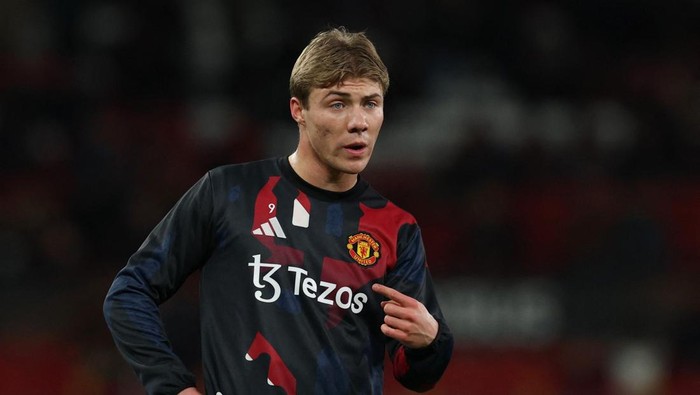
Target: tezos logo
<point x="321" y="291"/>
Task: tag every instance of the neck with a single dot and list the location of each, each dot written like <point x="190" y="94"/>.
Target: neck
<point x="320" y="176"/>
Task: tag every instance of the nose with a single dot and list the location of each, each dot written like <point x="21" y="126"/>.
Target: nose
<point x="358" y="121"/>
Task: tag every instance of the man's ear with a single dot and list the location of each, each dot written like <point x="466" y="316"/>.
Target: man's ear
<point x="297" y="110"/>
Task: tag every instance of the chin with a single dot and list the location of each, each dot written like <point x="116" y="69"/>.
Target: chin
<point x="348" y="165"/>
<point x="355" y="168"/>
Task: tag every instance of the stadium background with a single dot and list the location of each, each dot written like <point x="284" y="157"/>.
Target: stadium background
<point x="550" y="151"/>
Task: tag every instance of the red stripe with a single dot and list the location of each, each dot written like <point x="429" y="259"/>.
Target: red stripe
<point x="278" y="373"/>
<point x="401" y="366"/>
<point x="262" y="205"/>
<point x="383" y="224"/>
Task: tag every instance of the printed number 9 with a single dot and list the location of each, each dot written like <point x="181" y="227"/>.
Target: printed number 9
<point x="271" y="206"/>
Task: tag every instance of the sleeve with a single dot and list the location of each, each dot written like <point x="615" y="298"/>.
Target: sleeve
<point x="175" y="248"/>
<point x="418" y="369"/>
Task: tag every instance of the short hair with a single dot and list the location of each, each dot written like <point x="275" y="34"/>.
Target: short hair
<point x="332" y="57"/>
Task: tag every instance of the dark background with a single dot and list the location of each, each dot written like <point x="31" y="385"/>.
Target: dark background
<point x="549" y="150"/>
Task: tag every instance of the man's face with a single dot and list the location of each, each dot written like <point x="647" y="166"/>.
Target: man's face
<point x="341" y="124"/>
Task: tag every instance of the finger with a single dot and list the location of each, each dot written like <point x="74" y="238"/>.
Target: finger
<point x="386" y="302"/>
<point x="398" y="323"/>
<point x="392" y="294"/>
<point x="395" y="310"/>
<point x="394" y="333"/>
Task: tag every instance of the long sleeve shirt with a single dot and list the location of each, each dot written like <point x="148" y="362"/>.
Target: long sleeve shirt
<point x="286" y="271"/>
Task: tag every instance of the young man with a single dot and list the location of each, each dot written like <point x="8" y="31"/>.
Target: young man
<point x="307" y="274"/>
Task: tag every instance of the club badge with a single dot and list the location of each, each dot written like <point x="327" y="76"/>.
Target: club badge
<point x="363" y="249"/>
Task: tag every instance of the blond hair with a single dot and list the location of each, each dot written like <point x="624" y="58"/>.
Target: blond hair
<point x="332" y="57"/>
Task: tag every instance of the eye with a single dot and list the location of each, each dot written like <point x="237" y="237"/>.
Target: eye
<point x="337" y="105"/>
<point x="371" y="104"/>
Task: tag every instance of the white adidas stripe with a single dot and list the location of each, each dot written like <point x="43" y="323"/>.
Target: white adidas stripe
<point x="277" y="228"/>
<point x="271" y="228"/>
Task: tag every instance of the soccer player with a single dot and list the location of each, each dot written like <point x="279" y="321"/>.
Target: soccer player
<point x="307" y="274"/>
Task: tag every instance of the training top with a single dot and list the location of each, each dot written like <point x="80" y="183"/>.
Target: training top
<point x="286" y="305"/>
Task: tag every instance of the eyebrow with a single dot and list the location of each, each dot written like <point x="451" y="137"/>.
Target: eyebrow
<point x="345" y="94"/>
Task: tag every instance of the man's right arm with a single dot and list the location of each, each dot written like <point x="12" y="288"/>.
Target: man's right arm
<point x="175" y="248"/>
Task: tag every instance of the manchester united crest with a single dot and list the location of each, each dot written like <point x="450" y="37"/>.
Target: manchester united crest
<point x="363" y="249"/>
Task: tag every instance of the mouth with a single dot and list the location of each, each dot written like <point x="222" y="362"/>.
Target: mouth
<point x="356" y="148"/>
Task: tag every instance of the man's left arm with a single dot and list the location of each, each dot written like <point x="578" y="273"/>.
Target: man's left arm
<point x="420" y="341"/>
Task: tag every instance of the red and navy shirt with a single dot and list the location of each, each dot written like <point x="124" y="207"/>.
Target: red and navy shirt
<point x="286" y="305"/>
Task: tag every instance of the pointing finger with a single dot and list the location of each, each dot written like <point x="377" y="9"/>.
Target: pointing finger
<point x="392" y="294"/>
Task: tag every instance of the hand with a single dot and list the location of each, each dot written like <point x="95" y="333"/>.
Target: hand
<point x="406" y="320"/>
<point x="189" y="391"/>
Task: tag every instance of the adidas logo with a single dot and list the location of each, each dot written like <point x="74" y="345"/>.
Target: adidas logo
<point x="270" y="228"/>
